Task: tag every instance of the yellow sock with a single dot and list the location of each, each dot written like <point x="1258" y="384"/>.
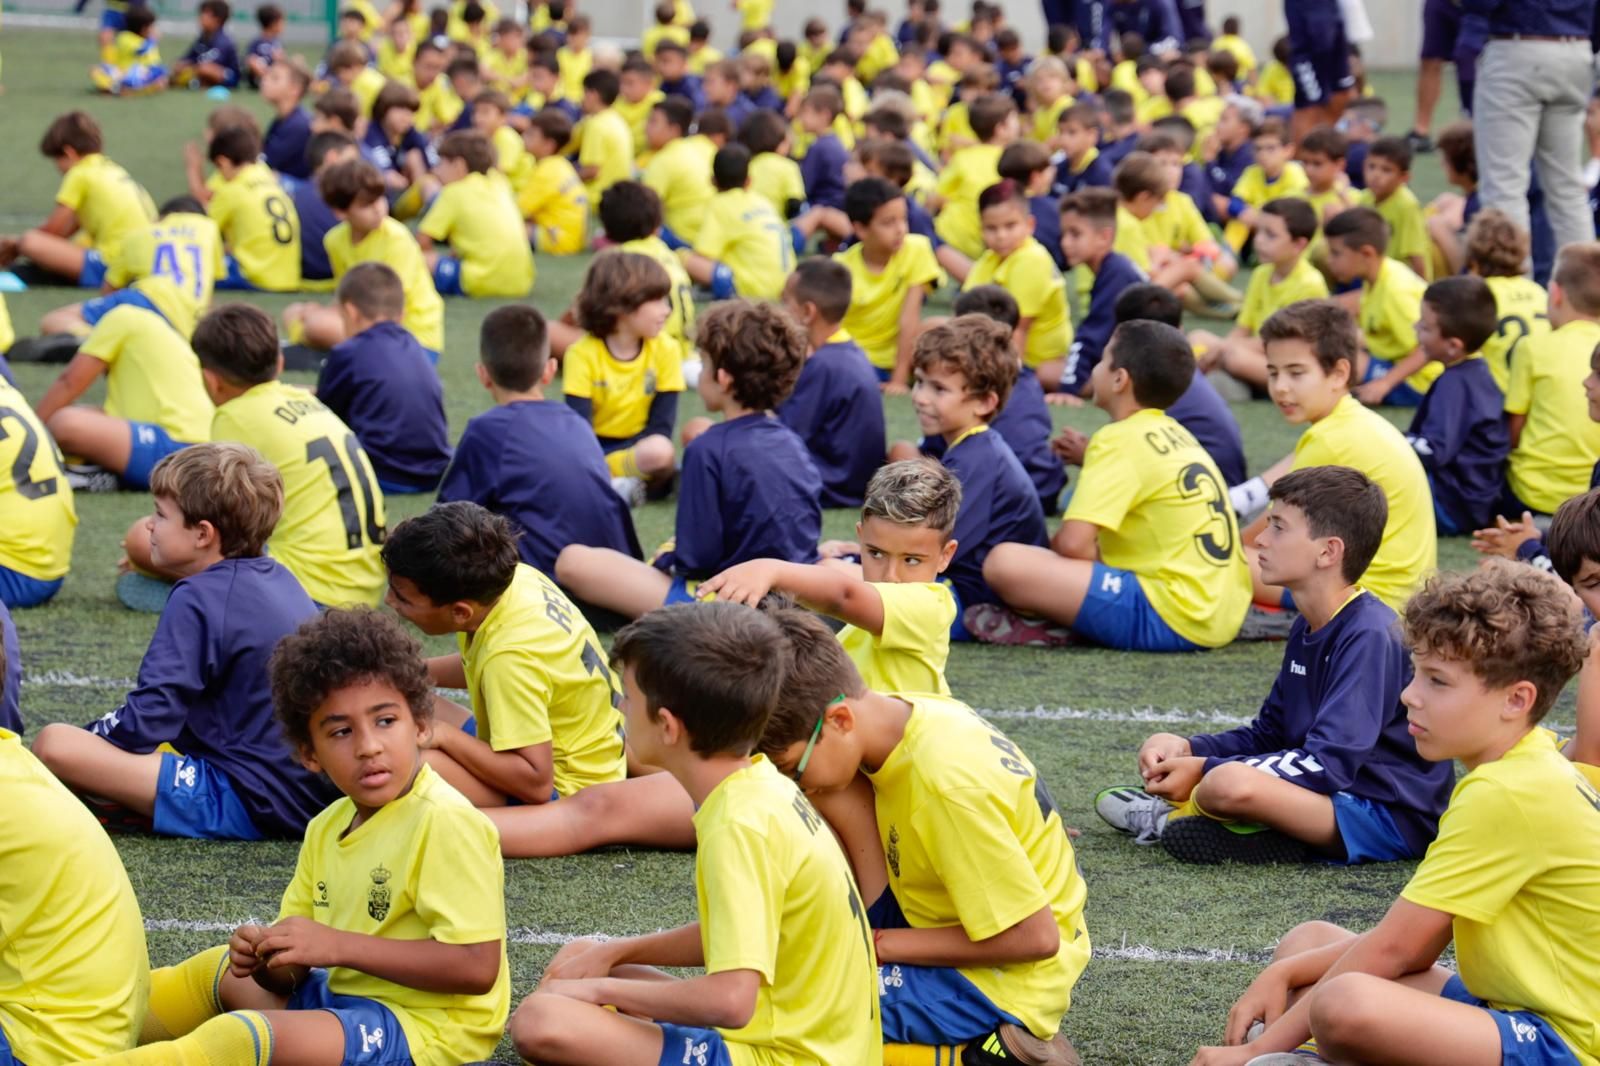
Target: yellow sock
<point x="921" y="1055"/>
<point x="242" y="1038"/>
<point x="185" y="995"/>
<point x="1187" y="809"/>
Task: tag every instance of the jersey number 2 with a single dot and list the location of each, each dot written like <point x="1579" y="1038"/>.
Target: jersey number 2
<point x="27" y="487"/>
<point x="339" y="467"/>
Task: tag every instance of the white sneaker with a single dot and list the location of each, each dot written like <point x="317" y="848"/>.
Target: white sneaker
<point x="631" y="489"/>
<point x="1130" y="809"/>
<point x="691" y="373"/>
<point x="87" y="477"/>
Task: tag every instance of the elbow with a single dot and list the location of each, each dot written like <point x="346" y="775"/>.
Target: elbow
<point x="1038" y="939"/>
<point x="733" y="1007"/>
<point x="480" y="977"/>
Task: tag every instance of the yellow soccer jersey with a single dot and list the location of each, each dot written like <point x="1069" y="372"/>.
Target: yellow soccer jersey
<point x="108" y="203"/>
<point x="700" y="60"/>
<point x="152" y="374"/>
<point x="1263" y="296"/>
<point x="536" y="674"/>
<point x="393" y="63"/>
<point x="479" y="219"/>
<point x="775" y="895"/>
<point x="777" y="180"/>
<point x="880" y="54"/>
<point x="1555" y="454"/>
<point x="507" y="73"/>
<point x="876" y="298"/>
<point x="1240" y="49"/>
<point x="1390" y="308"/>
<point x="511" y="157"/>
<point x="7" y="335"/>
<point x="1045" y="119"/>
<point x="605" y="142"/>
<point x="74" y="976"/>
<point x="424" y="867"/>
<point x="621" y="392"/>
<point x="743" y="232"/>
<point x="555" y="202"/>
<point x="1031" y="277"/>
<point x="1358" y="437"/>
<point x="754" y="14"/>
<point x="393" y="245"/>
<point x="909" y="655"/>
<point x="680" y="324"/>
<point x="955" y="131"/>
<point x="1205" y="110"/>
<point x="1130" y="239"/>
<point x="182" y="249"/>
<point x="440" y="106"/>
<point x="37" y="515"/>
<point x="456" y="28"/>
<point x="1408" y="226"/>
<point x="654" y="35"/>
<point x="796" y="80"/>
<point x="1176" y="223"/>
<point x="1517" y="865"/>
<point x="333" y="519"/>
<point x="1163" y="513"/>
<point x="974" y="839"/>
<point x="1523" y="308"/>
<point x="1152" y="109"/>
<point x="367" y="84"/>
<point x="970" y="171"/>
<point x="260" y="227"/>
<point x="574" y="67"/>
<point x="1256" y="189"/>
<point x="1276" y="84"/>
<point x="681" y="175"/>
<point x="634" y="115"/>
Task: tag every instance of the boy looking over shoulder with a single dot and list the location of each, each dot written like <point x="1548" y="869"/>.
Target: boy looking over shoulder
<point x="782" y="932"/>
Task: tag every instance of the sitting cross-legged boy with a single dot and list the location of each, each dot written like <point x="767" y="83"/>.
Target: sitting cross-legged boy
<point x="748" y="489"/>
<point x="1327" y="769"/>
<point x="333" y="517"/>
<point x="742" y="248"/>
<point x="77" y="972"/>
<point x="899" y="614"/>
<point x="1090" y="219"/>
<point x="202" y="686"/>
<point x="977" y="909"/>
<point x="836" y="407"/>
<point x="545" y="721"/>
<point x="782" y="931"/>
<point x="1022" y="266"/>
<point x="259" y="224"/>
<point x="1459" y="431"/>
<point x="398" y="929"/>
<point x="1394" y="371"/>
<point x="532" y="459"/>
<point x="1148" y="556"/>
<point x="38" y="518"/>
<point x="476" y="215"/>
<point x="630" y="215"/>
<point x="1511" y="878"/>
<point x="381" y="383"/>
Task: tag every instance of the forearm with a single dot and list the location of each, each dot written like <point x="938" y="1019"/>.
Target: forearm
<point x="833" y="593"/>
<point x="62" y="391"/>
<point x="697" y="1001"/>
<point x="426" y="965"/>
<point x="506" y="771"/>
<point x="951" y="946"/>
<point x="447" y="671"/>
<point x="680" y="947"/>
<point x="1404" y="368"/>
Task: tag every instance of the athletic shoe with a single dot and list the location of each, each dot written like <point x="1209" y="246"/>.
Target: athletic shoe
<point x="1130" y="809"/>
<point x="52" y="348"/>
<point x="994" y="624"/>
<point x="1267" y="623"/>
<point x="302" y="357"/>
<point x="1288" y="1058"/>
<point x="1199" y="839"/>
<point x="630" y="489"/>
<point x="692" y="368"/>
<point x="142" y="593"/>
<point x="87" y="477"/>
<point x="1419" y="142"/>
<point x="1012" y="1044"/>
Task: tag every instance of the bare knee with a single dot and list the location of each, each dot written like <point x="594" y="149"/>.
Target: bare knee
<point x="55" y="746"/>
<point x="692" y="429"/>
<point x="1229" y="789"/>
<point x="537" y="1027"/>
<point x="1347" y="1011"/>
<point x="63" y="320"/>
<point x="654" y="454"/>
<point x="1308" y="936"/>
<point x="902" y="450"/>
<point x="572" y="564"/>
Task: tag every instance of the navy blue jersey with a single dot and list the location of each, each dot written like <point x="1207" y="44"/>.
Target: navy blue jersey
<point x="1355" y="164"/>
<point x="538" y="463"/>
<point x="283" y="148"/>
<point x="1096" y="174"/>
<point x="1047" y="227"/>
<point x="1025" y="424"/>
<point x="918" y="221"/>
<point x="267" y="49"/>
<point x="384" y="387"/>
<point x="823" y="171"/>
<point x="11" y="678"/>
<point x="316" y="219"/>
<point x="1157" y="21"/>
<point x="837" y="410"/>
<point x="1114" y="152"/>
<point x="767" y="99"/>
<point x="1116" y="273"/>
<point x="687" y="87"/>
<point x="748" y="491"/>
<point x="1196" y="185"/>
<point x="1205" y="414"/>
<point x="1226" y="169"/>
<point x="377" y="149"/>
<point x="203" y="688"/>
<point x="998" y="505"/>
<point x="216" y="48"/>
<point x="1333" y="721"/>
<point x="1459" y="432"/>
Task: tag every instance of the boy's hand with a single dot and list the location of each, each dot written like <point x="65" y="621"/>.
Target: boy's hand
<point x="299" y="941"/>
<point x="1222" y="1056"/>
<point x="746" y="583"/>
<point x="1264" y="1001"/>
<point x="1375" y="391"/>
<point x="434" y="740"/>
<point x="1175" y="779"/>
<point x="1069" y="445"/>
<point x="838" y="549"/>
<point x="1160" y="748"/>
<point x="894" y="388"/>
<point x="1063" y="399"/>
<point x="581" y="960"/>
<point x="1506" y="536"/>
<point x="243" y="957"/>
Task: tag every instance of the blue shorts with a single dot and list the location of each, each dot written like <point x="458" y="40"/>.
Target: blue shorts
<point x="20" y="590"/>
<point x="1116" y="613"/>
<point x="233" y="276"/>
<point x="1441" y="25"/>
<point x="372" y="1034"/>
<point x="687" y="1045"/>
<point x="1402" y="395"/>
<point x="682" y="590"/>
<point x="1525" y="1038"/>
<point x="1319" y="51"/>
<point x="148" y="445"/>
<point x="928" y="1004"/>
<point x="6" y="1057"/>
<point x="93" y="273"/>
<point x="96" y="309"/>
<point x="884" y="374"/>
<point x="395" y="488"/>
<point x="1445" y="524"/>
<point x="195" y="800"/>
<point x="1368" y="831"/>
<point x="722" y="287"/>
<point x="447" y="276"/>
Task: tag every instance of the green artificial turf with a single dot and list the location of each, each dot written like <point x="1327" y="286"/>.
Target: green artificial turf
<point x="1174" y="945"/>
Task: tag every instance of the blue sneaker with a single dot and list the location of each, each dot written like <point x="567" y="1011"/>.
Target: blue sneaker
<point x="143" y="593"/>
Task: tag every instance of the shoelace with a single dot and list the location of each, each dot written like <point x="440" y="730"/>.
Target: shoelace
<point x="1148" y="818"/>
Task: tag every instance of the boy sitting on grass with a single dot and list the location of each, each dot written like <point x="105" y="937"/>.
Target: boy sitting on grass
<point x="1148" y="555"/>
<point x="748" y="488"/>
<point x="545" y="721"/>
<point x="552" y="198"/>
<point x="742" y="248"/>
<point x="1387" y="169"/>
<point x="1511" y="878"/>
<point x="1090" y="221"/>
<point x="1394" y="370"/>
<point x="977" y="909"/>
<point x="38" y="519"/>
<point x="782" y="931"/>
<point x="1327" y="769"/>
<point x="476" y="215"/>
<point x="399" y="929"/>
<point x="202" y="686"/>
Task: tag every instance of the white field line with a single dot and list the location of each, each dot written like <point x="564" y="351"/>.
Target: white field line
<point x="542" y="938"/>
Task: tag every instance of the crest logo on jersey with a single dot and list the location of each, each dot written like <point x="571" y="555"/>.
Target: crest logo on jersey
<point x="894" y="850"/>
<point x="378" y="894"/>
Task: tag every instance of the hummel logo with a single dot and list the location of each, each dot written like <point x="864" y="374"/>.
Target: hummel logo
<point x="1296" y="669"/>
<point x="1111" y="583"/>
<point x="185" y="774"/>
<point x="1525" y="1033"/>
<point x="890" y="977"/>
<point x="695" y="1054"/>
<point x="371" y="1040"/>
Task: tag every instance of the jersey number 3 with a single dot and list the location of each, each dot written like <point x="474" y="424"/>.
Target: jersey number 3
<point x="1216" y="545"/>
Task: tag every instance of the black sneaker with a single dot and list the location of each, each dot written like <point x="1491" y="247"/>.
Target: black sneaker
<point x="1419" y="142"/>
<point x="1012" y="1045"/>
<point x="51" y="348"/>
<point x="1267" y="623"/>
<point x="1206" y="841"/>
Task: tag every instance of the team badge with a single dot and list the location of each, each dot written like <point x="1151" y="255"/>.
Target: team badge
<point x="378" y="894"/>
<point x="894" y="850"/>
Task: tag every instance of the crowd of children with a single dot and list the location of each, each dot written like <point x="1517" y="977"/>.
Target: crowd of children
<point x="881" y="875"/>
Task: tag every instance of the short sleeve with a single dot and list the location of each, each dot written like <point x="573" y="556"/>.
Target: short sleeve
<point x="915" y="616"/>
<point x="516" y="693"/>
<point x="73" y="192"/>
<point x="296" y="901"/>
<point x="1031" y="285"/>
<point x="712" y="240"/>
<point x="460" y="879"/>
<point x="220" y="206"/>
<point x="984" y="867"/>
<point x="577" y="372"/>
<point x="1519" y="394"/>
<point x="669" y="365"/>
<point x="438" y="223"/>
<point x="949" y="180"/>
<point x="921" y="266"/>
<point x="107" y="339"/>
<point x="1481" y="859"/>
<point x="1108" y="486"/>
<point x="741" y="901"/>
